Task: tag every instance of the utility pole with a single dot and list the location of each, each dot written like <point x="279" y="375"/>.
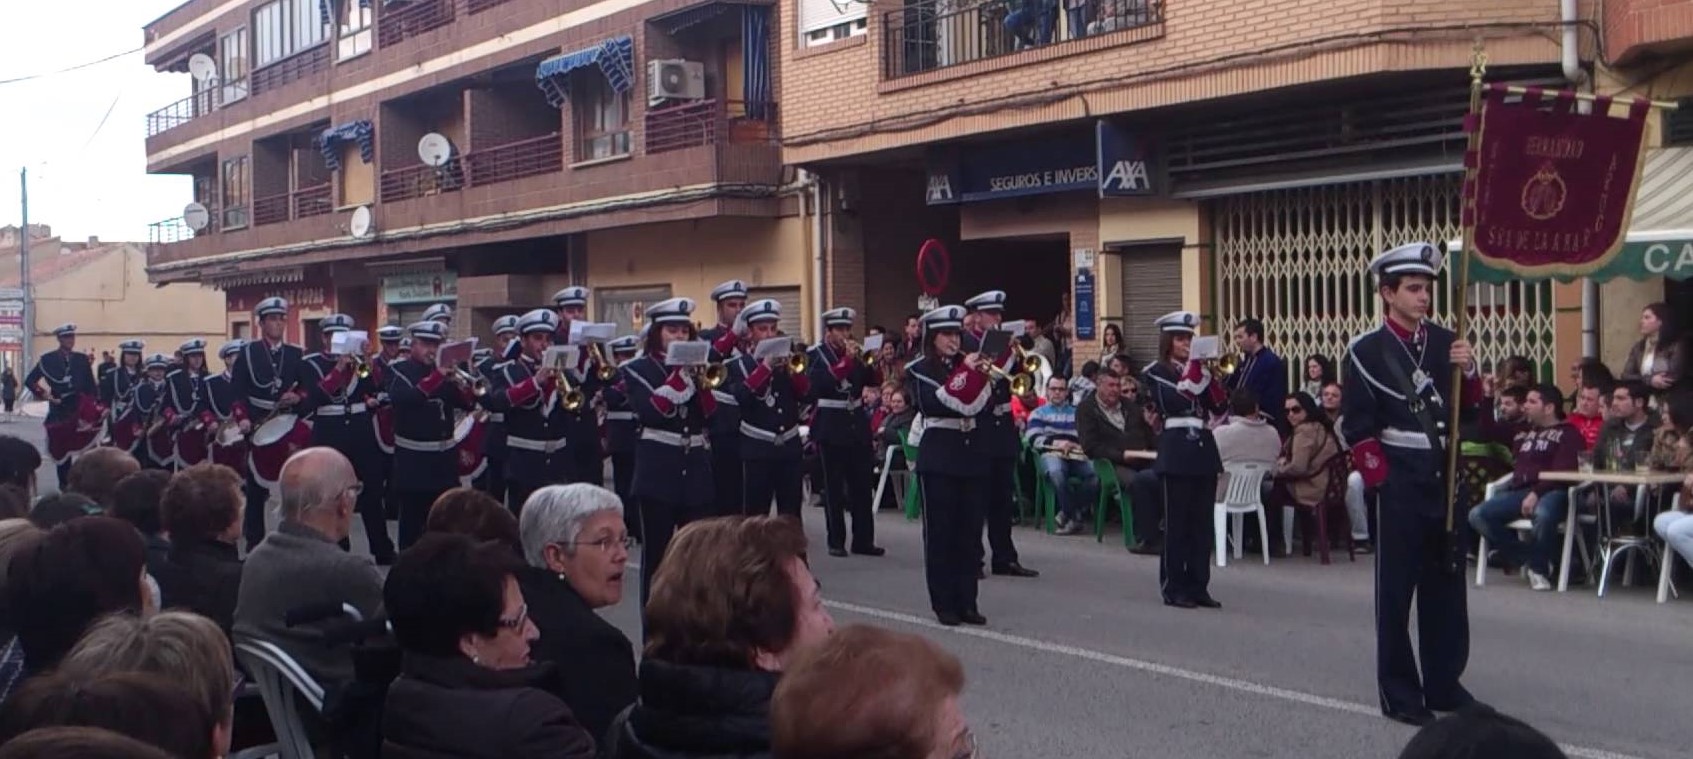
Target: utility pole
<point x="28" y="352"/>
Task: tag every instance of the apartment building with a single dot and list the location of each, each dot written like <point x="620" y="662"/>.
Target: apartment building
<point x="375" y="156"/>
<point x="1118" y="159"/>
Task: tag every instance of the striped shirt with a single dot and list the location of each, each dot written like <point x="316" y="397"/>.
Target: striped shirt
<point x="1051" y="423"/>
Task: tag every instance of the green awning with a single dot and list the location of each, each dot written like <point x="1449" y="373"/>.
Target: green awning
<point x="1660" y="232"/>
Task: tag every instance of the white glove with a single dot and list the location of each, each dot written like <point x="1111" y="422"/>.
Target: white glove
<point x="740" y="326"/>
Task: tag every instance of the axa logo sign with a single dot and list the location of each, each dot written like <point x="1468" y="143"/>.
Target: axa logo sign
<point x="1126" y="165"/>
<point x="940" y="188"/>
<point x="1126" y="177"/>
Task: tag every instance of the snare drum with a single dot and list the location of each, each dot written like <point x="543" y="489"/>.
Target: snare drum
<point x="468" y="438"/>
<point x="272" y="443"/>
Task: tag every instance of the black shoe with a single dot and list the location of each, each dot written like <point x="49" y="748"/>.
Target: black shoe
<point x="1208" y="602"/>
<point x="1014" y="570"/>
<point x="948" y="619"/>
<point x="1144" y="548"/>
<point x="871" y="551"/>
<point x="1180" y="603"/>
<point x="1453" y="702"/>
<point x="1412" y="717"/>
<point x="973" y="618"/>
<point x="838" y="552"/>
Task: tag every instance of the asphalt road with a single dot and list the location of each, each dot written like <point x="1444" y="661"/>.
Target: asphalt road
<point x="1085" y="661"/>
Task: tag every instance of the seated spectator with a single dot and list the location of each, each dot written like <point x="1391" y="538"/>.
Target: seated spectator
<point x="59" y="508"/>
<point x="895" y="421"/>
<point x="1302" y="470"/>
<point x="1111" y="425"/>
<point x="869" y="692"/>
<point x="14" y="502"/>
<point x="299" y="566"/>
<point x="1502" y="417"/>
<point x="1081" y="387"/>
<point x="1625" y="439"/>
<point x="732" y="605"/>
<point x="178" y="647"/>
<point x="1589" y="413"/>
<point x="1247" y="438"/>
<point x="147" y="707"/>
<point x="60" y="582"/>
<point x="1674" y="452"/>
<point x="80" y="742"/>
<point x="577" y="547"/>
<point x="1591" y="372"/>
<point x="14" y="534"/>
<point x="1022" y="406"/>
<point x="468" y="511"/>
<point x="202" y="508"/>
<point x="1552" y="445"/>
<point x="19" y="460"/>
<point x="136" y="500"/>
<point x="466" y="687"/>
<point x="1052" y="432"/>
<point x="1330" y="400"/>
<point x="1478" y="732"/>
<point x="1120" y="365"/>
<point x="97" y="473"/>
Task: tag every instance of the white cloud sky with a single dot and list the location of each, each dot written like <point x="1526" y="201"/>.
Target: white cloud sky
<point x="84" y="179"/>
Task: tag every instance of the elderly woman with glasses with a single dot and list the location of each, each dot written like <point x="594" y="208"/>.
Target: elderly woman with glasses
<point x="577" y="546"/>
<point x="466" y="686"/>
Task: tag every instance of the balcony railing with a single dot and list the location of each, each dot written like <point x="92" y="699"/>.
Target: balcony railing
<point x="932" y="34"/>
<point x="708" y="122"/>
<point x="299" y="204"/>
<point x="176" y="230"/>
<point x="313" y="201"/>
<point x="418" y="181"/>
<point x="515" y="160"/>
<point x="398" y="22"/>
<point x="477" y="6"/>
<point x="185" y="110"/>
<point x="291" y="69"/>
<point x="270" y="210"/>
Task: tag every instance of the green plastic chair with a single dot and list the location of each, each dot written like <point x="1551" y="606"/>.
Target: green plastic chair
<point x="1107" y="473"/>
<point x="913" y="499"/>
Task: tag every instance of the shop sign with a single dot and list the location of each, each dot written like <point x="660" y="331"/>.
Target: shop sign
<point x="299" y="297"/>
<point x="422" y="287"/>
<point x="1084" y="304"/>
<point x="1125" y="162"/>
<point x="1105" y="159"/>
<point x="12" y="322"/>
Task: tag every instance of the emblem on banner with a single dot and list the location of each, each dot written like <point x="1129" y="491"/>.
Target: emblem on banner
<point x="957" y="383"/>
<point x="1544" y="193"/>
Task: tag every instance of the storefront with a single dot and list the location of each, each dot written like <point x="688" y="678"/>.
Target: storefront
<point x="406" y="296"/>
<point x="309" y="301"/>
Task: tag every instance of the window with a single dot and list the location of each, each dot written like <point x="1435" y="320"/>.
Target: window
<point x="232" y="66"/>
<point x="235" y="193"/>
<point x="626" y="306"/>
<point x="839" y="31"/>
<point x="823" y="21"/>
<point x="356" y="33"/>
<point x="284" y="27"/>
<point x="602" y="117"/>
<point x="240" y="330"/>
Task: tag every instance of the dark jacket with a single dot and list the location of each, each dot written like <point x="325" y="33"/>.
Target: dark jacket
<point x="1103" y="440"/>
<point x="450" y="707"/>
<point x="696" y="712"/>
<point x="204" y="577"/>
<point x="595" y="661"/>
<point x="297" y="567"/>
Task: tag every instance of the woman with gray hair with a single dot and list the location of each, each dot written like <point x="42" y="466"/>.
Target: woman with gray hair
<point x="577" y="546"/>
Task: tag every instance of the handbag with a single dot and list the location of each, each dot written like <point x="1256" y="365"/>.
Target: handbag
<point x="1451" y="554"/>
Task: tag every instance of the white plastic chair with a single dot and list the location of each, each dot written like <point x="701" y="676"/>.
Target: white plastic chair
<point x="1527" y="525"/>
<point x="1244" y="495"/>
<point x="279" y="678"/>
<point x="1667" y="564"/>
<point x="882" y="482"/>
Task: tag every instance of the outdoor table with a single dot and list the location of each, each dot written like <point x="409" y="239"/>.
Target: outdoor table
<point x="1625" y="477"/>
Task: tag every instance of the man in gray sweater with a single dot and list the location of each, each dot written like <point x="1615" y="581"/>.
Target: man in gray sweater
<point x="301" y="566"/>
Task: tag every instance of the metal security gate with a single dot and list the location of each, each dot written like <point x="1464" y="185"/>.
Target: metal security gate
<point x="1298" y="258"/>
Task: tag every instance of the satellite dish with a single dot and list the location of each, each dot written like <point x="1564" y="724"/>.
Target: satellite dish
<point x="435" y="149"/>
<point x="196" y="216"/>
<point x="202" y="67"/>
<point x="363" y="224"/>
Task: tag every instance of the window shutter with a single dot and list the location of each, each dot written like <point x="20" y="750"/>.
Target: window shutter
<point x="822" y="14"/>
<point x="1152" y="287"/>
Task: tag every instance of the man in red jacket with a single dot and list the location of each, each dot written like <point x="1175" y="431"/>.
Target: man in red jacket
<point x="1551" y="445"/>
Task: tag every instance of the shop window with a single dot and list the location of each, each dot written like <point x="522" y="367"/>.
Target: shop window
<point x="602" y="118"/>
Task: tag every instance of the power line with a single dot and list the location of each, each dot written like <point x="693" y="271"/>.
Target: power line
<point x="69" y="69"/>
<point x="102" y="124"/>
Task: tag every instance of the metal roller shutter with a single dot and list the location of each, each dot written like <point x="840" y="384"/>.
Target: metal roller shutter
<point x="1152" y="287"/>
<point x="789" y="299"/>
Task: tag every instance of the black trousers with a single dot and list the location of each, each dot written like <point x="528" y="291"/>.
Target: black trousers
<point x="1408" y="548"/>
<point x="1002" y="506"/>
<point x="517" y="494"/>
<point x="1185" y="570"/>
<point x="374" y="514"/>
<point x="727" y="478"/>
<point x="952" y="539"/>
<point x="587" y="465"/>
<point x="64" y="473"/>
<point x="493" y="478"/>
<point x="414" y="512"/>
<point x="253" y="521"/>
<point x="660" y="520"/>
<point x="773" y="478"/>
<point x="846" y="488"/>
<point x="622" y="478"/>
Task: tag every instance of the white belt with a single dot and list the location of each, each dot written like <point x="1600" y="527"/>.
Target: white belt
<point x="949" y="423"/>
<point x="531" y="444"/>
<point x="620" y="416"/>
<point x="676" y="439"/>
<point x="1002" y="409"/>
<point x="1180" y="422"/>
<point x="759" y="433"/>
<point x="496" y="418"/>
<point x="423" y="446"/>
<point x="727" y="399"/>
<point x="1406" y="439"/>
<point x="260" y="403"/>
<point x="835" y="403"/>
<point x="348" y="410"/>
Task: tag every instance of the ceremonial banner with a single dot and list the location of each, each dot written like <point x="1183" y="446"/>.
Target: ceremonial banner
<point x="1551" y="189"/>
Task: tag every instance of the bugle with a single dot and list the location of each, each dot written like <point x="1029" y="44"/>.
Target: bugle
<point x="570" y="397"/>
<point x="477" y="385"/>
<point x="607" y="371"/>
<point x="712" y="376"/>
<point x="1021" y="384"/>
<point x="1028" y="362"/>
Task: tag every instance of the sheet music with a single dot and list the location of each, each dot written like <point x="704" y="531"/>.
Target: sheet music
<point x="995" y="342"/>
<point x="591" y="332"/>
<point x="561" y="355"/>
<point x="1016" y="328"/>
<point x="774" y="347"/>
<point x="1206" y="348"/>
<point x="453" y="354"/>
<point x="689" y="353"/>
<point x="874" y="342"/>
<point x="351" y="341"/>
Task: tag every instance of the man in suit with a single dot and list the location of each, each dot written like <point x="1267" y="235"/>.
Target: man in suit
<point x="1112" y="427"/>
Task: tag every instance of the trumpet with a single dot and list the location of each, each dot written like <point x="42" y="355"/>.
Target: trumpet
<point x="570" y="397"/>
<point x="712" y="376"/>
<point x="1223" y="366"/>
<point x="1021" y="384"/>
<point x="867" y="356"/>
<point x="1029" y="362"/>
<point x="477" y="385"/>
<point x="607" y="371"/>
<point x="361" y="367"/>
<point x="798" y="362"/>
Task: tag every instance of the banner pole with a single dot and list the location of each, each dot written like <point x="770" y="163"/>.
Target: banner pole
<point x="1478" y="69"/>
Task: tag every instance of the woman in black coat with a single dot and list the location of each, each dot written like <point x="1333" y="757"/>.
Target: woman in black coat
<point x="466" y="686"/>
<point x="201" y="509"/>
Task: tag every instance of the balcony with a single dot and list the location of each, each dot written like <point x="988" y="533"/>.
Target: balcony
<point x="183" y="111"/>
<point x="477" y="6"/>
<point x="515" y="160"/>
<point x="417" y="181"/>
<point x="177" y="230"/>
<point x="934" y="34"/>
<point x="708" y="122"/>
<point x="300" y="204"/>
<point x="399" y="22"/>
<point x="291" y="69"/>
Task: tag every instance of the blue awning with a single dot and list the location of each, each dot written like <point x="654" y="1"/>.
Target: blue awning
<point x="329" y="142"/>
<point x="326" y="10"/>
<point x="615" y="57"/>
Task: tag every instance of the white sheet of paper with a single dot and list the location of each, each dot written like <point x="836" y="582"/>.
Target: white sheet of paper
<point x="1016" y="328"/>
<point x="691" y="353"/>
<point x="1205" y="348"/>
<point x="773" y="347"/>
<point x="596" y="332"/>
<point x="453" y="354"/>
<point x="874" y="342"/>
<point x="560" y="354"/>
<point x="351" y="341"/>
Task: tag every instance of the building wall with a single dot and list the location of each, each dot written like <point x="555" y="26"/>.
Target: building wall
<point x="110" y="300"/>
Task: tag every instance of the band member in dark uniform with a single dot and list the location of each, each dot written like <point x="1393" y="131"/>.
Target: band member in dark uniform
<point x="999" y="434"/>
<point x="442" y="313"/>
<point x="950" y="389"/>
<point x="117" y="395"/>
<point x="390" y="338"/>
<point x="158" y="446"/>
<point x="64" y="379"/>
<point x="527" y="392"/>
<point x="217" y="407"/>
<point x="425" y="394"/>
<point x="725" y="338"/>
<point x="268" y="374"/>
<point x="838" y="375"/>
<point x="622" y="432"/>
<point x="1186" y="395"/>
<point x="341" y="402"/>
<point x="493" y="479"/>
<point x="673" y="459"/>
<point x="184" y="388"/>
<point x="587" y="460"/>
<point x="1403" y="364"/>
<point x="770" y="394"/>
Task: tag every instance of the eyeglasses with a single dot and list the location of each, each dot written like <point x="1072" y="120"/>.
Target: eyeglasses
<point x="1294" y="410"/>
<point x="516" y="623"/>
<point x="605" y="544"/>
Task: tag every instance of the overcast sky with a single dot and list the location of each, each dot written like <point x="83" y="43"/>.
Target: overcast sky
<point x="85" y="178"/>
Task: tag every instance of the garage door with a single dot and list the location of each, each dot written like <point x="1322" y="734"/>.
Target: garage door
<point x="788" y="297"/>
<point x="1152" y="287"/>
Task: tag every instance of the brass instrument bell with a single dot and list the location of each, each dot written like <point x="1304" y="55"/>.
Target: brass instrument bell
<point x="1029" y="362"/>
<point x="607" y="371"/>
<point x="570" y="397"/>
<point x="713" y="375"/>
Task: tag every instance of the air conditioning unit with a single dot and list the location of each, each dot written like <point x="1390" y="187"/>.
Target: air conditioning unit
<point x="675" y="80"/>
